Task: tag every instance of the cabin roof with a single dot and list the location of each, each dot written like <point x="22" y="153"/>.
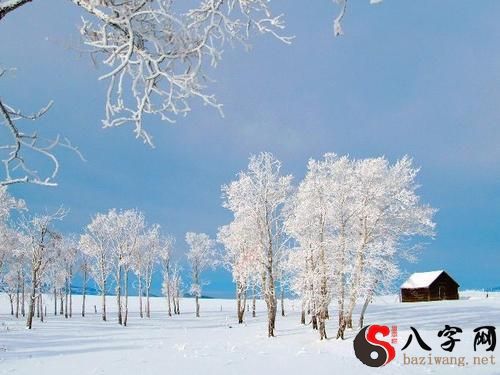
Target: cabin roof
<point x="421" y="279"/>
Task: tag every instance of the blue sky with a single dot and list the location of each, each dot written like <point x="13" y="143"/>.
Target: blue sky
<point x="414" y="77"/>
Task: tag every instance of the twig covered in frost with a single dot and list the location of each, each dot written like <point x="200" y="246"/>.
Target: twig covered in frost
<point x="20" y="145"/>
<point x="157" y="55"/>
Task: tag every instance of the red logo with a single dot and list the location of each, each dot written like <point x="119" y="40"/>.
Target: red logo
<point x="370" y="349"/>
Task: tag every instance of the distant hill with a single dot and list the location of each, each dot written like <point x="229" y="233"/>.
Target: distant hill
<point x="188" y="295"/>
<point x="494" y="289"/>
<point x="91" y="291"/>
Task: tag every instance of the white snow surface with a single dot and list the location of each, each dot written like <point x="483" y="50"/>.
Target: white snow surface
<point x="421" y="279"/>
<point x="216" y="344"/>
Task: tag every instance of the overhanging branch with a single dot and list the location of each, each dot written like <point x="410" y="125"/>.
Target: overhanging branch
<point x="8" y="6"/>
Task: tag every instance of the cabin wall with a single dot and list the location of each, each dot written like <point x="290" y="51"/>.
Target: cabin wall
<point x="415" y="295"/>
<point x="443" y="291"/>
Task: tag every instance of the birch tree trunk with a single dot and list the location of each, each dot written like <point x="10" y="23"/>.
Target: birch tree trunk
<point x="55" y="301"/>
<point x="355" y="288"/>
<point x="66" y="292"/>
<point x="168" y="295"/>
<point x="84" y="291"/>
<point x="61" y="301"/>
<point x="148" y="307"/>
<point x="244" y="304"/>
<point x="314" y="320"/>
<point x="238" y="304"/>
<point x="270" y="302"/>
<point x="341" y="281"/>
<point x="11" y="300"/>
<point x="178" y="297"/>
<point x="253" y="302"/>
<point x="18" y="287"/>
<point x="125" y="319"/>
<point x="31" y="311"/>
<point x="346" y="318"/>
<point x="37" y="306"/>
<point x="282" y="301"/>
<point x="118" y="294"/>
<point x="241" y="304"/>
<point x="322" y="324"/>
<point x="103" y="299"/>
<point x="140" y="296"/>
<point x="365" y="305"/>
<point x="197" y="283"/>
<point x="23" y="311"/>
<point x="40" y="303"/>
<point x="70" y="293"/>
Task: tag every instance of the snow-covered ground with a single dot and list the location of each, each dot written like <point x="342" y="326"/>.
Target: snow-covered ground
<point x="214" y="344"/>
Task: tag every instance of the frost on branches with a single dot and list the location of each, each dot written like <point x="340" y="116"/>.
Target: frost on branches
<point x="241" y="260"/>
<point x="336" y="238"/>
<point x="337" y="22"/>
<point x="352" y="220"/>
<point x="201" y="255"/>
<point x="37" y="262"/>
<point x="117" y="244"/>
<point x="257" y="199"/>
<point x="95" y="244"/>
<point x="157" y="52"/>
<point x="26" y="156"/>
<point x="41" y="242"/>
<point x="165" y="249"/>
<point x="12" y="250"/>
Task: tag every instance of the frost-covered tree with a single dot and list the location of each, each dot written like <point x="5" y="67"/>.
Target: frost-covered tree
<point x="69" y="255"/>
<point x="172" y="286"/>
<point x="42" y="240"/>
<point x="240" y="259"/>
<point x="388" y="211"/>
<point x="17" y="263"/>
<point x="12" y="246"/>
<point x="317" y="219"/>
<point x="257" y="198"/>
<point x="12" y="265"/>
<point x="95" y="244"/>
<point x="150" y="244"/>
<point x="165" y="255"/>
<point x="59" y="274"/>
<point x="124" y="230"/>
<point x="176" y="287"/>
<point x="112" y="240"/>
<point x="85" y="268"/>
<point x="351" y="220"/>
<point x="8" y="204"/>
<point x="8" y="285"/>
<point x="201" y="255"/>
<point x="55" y="277"/>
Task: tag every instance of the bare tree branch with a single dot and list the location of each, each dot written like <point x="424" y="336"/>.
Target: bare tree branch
<point x="157" y="56"/>
<point x="337" y="22"/>
<point x="15" y="153"/>
<point x="7" y="6"/>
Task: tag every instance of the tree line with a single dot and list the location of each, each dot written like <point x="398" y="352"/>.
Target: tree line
<point x="336" y="237"/>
